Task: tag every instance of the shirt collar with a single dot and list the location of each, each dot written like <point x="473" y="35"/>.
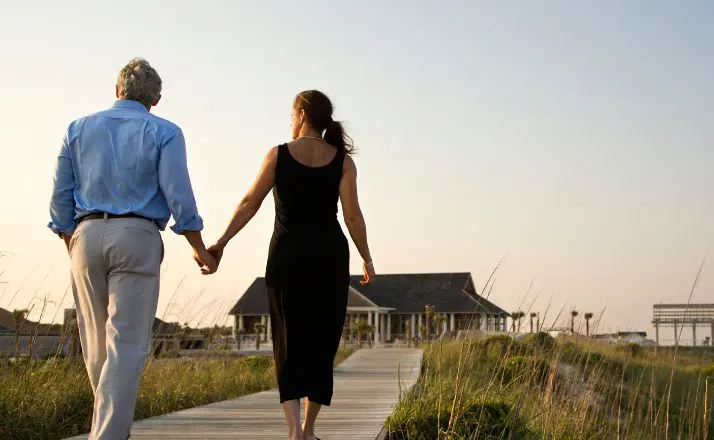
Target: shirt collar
<point x="129" y="104"/>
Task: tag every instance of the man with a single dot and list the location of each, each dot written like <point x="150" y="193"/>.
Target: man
<point x="120" y="175"/>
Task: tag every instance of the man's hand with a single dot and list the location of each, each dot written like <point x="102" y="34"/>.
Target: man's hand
<point x="205" y="261"/>
<point x="216" y="251"/>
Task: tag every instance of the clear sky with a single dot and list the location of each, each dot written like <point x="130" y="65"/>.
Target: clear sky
<point x="575" y="138"/>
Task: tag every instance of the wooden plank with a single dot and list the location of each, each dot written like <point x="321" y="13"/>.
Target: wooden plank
<point x="367" y="386"/>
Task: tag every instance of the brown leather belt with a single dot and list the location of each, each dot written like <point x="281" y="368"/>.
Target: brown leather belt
<point x="98" y="215"/>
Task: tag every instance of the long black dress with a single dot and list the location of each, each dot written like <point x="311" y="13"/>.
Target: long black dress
<point x="307" y="277"/>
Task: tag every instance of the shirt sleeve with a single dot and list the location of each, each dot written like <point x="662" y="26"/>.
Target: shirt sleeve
<point x="62" y="201"/>
<point x="176" y="184"/>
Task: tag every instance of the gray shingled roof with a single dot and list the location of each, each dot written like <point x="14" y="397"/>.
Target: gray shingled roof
<point x="406" y="293"/>
<point x="254" y="301"/>
<point x="358" y="300"/>
<point x="410" y="293"/>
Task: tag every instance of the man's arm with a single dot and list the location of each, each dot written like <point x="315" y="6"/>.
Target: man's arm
<point x="175" y="184"/>
<point x="62" y="201"/>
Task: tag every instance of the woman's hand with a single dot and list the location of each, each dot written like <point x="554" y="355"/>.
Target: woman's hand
<point x="369" y="273"/>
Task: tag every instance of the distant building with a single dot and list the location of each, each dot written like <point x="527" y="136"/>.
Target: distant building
<point x="166" y="336"/>
<point x="394" y="304"/>
<point x="625" y="337"/>
<point x="632" y="337"/>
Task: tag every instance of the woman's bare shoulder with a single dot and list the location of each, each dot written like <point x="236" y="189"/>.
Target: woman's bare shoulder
<point x="349" y="164"/>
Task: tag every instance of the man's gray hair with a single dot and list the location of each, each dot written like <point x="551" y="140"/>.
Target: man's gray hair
<point x="139" y="81"/>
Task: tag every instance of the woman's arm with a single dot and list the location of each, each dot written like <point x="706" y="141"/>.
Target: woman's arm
<point x="251" y="202"/>
<point x="354" y="220"/>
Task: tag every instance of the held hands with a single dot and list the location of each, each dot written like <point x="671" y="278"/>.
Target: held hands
<point x="217" y="251"/>
<point x="209" y="259"/>
<point x="205" y="261"/>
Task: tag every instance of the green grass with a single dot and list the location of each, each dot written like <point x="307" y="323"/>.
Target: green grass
<point x="540" y="388"/>
<point x="52" y="399"/>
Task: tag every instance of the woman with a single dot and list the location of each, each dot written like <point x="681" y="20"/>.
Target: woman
<point x="307" y="273"/>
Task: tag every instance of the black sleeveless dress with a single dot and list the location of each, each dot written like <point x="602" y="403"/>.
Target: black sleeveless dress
<point x="307" y="277"/>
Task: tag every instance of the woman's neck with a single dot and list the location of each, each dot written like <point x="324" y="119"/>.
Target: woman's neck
<point x="309" y="132"/>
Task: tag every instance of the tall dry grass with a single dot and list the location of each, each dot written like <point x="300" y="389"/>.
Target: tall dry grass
<point x="540" y="388"/>
<point x="52" y="399"/>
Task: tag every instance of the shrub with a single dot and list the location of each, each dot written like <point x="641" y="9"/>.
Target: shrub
<point x="540" y="342"/>
<point x="496" y="347"/>
<point x="258" y="363"/>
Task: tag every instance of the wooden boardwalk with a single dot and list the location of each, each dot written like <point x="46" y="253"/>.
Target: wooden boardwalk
<point x="367" y="386"/>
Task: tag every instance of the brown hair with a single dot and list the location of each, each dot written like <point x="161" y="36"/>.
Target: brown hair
<point x="318" y="110"/>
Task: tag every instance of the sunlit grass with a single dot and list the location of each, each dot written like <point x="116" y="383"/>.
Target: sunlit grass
<point x="497" y="388"/>
<point x="52" y="399"/>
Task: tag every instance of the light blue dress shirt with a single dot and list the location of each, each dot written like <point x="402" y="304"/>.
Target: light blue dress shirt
<point x="123" y="160"/>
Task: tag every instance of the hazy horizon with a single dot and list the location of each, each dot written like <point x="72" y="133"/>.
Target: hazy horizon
<point x="570" y="138"/>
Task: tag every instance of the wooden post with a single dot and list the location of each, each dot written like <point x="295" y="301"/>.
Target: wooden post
<point x="656" y="326"/>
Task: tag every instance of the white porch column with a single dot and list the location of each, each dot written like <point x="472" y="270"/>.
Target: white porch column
<point x="413" y="324"/>
<point x="420" y="325"/>
<point x="377" y="323"/>
<point x="369" y="318"/>
<point x="269" y="329"/>
<point x="694" y="335"/>
<point x="262" y="322"/>
<point x="444" y="325"/>
<point x="452" y="323"/>
<point x="483" y="322"/>
<point x="237" y="327"/>
<point x="389" y="327"/>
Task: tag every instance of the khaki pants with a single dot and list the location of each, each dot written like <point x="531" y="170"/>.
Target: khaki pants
<point x="115" y="281"/>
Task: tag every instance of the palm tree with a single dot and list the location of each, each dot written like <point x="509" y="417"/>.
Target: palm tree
<point x="588" y="317"/>
<point x="574" y="314"/>
<point x="258" y="328"/>
<point x="520" y="316"/>
<point x="439" y="319"/>
<point x="345" y="335"/>
<point x="429" y="312"/>
<point x="533" y="315"/>
<point x="363" y="328"/>
<point x="514" y="318"/>
<point x="18" y="318"/>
